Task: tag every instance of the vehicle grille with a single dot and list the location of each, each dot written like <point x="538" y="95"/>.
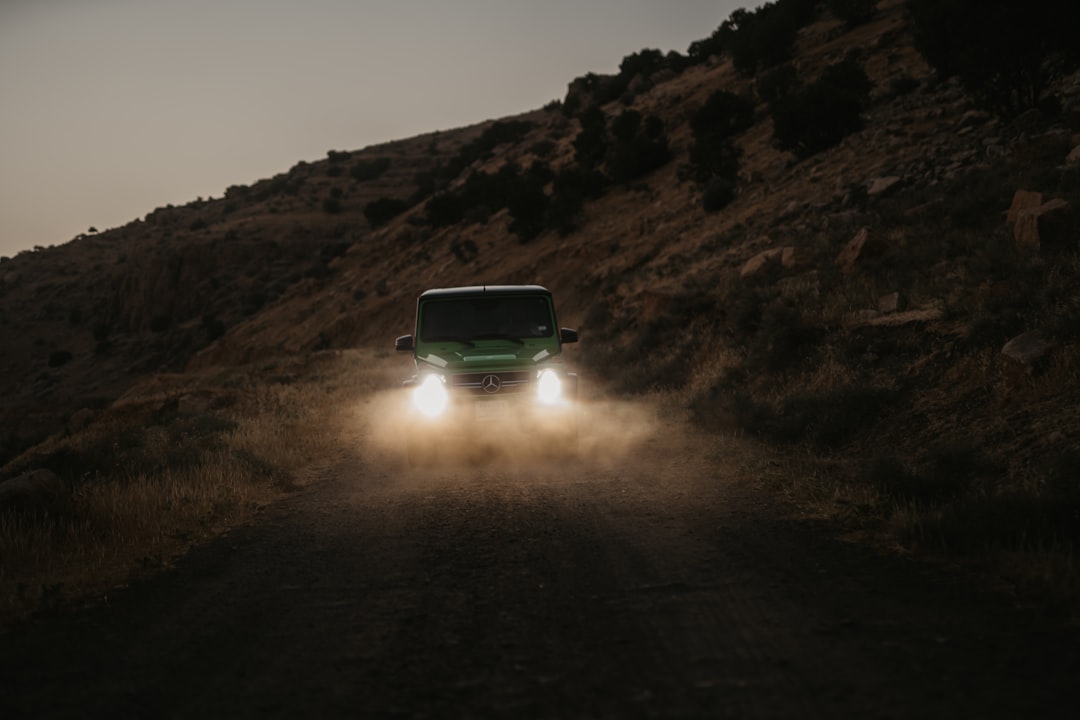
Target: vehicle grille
<point x="482" y="383"/>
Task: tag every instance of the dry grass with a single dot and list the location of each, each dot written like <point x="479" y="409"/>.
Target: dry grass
<point x="146" y="481"/>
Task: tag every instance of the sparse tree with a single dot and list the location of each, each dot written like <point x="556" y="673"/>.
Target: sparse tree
<point x="820" y="115"/>
<point x="1005" y="52"/>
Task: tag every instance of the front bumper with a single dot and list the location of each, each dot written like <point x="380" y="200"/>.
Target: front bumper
<point x="495" y="402"/>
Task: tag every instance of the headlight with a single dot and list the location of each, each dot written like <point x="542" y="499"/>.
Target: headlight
<point x="548" y="387"/>
<point x="430" y="396"/>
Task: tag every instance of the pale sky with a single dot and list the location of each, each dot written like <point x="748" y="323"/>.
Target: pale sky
<point x="111" y="108"/>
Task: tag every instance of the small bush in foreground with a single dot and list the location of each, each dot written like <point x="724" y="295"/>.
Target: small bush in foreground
<point x="1013" y="520"/>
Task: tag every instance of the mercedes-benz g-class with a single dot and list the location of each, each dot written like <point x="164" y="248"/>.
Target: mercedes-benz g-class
<point x="488" y="364"/>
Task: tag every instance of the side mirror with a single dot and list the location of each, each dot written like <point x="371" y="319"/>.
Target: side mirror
<point x="404" y="344"/>
<point x="566" y="335"/>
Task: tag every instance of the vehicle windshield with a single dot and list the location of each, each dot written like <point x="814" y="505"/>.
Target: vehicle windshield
<point x="486" y="318"/>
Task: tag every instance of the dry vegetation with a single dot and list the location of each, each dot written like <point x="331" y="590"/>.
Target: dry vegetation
<point x="171" y="465"/>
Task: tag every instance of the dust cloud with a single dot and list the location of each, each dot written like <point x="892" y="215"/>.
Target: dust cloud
<point x="607" y="431"/>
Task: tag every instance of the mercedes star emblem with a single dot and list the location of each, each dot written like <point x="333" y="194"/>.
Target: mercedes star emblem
<point x="491" y="383"/>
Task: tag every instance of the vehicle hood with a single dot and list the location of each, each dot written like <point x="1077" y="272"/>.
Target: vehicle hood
<point x="486" y="355"/>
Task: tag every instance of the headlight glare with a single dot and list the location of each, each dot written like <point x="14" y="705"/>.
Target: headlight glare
<point x="549" y="387"/>
<point x="430" y="396"/>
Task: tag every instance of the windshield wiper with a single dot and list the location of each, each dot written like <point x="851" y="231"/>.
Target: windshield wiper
<point x="450" y="338"/>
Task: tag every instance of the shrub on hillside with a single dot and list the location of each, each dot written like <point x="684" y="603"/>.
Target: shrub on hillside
<point x="381" y="211"/>
<point x="774" y="84"/>
<point x="718" y="194"/>
<point x="528" y="204"/>
<point x="590" y="145"/>
<point x="724" y="113"/>
<point x="700" y="51"/>
<point x="465" y="250"/>
<point x="639" y="147"/>
<point x="853" y="12"/>
<point x="756" y="39"/>
<point x="818" y="116"/>
<point x="571" y="187"/>
<point x="942" y="473"/>
<point x="489" y="190"/>
<point x="713" y="158"/>
<point x="498" y="133"/>
<point x="565" y="209"/>
<point x="1005" y="52"/>
<point x="365" y="170"/>
<point x="644" y="63"/>
<point x="761" y="38"/>
<point x="593" y="89"/>
<point x="429" y="182"/>
<point x="781" y="338"/>
<point x="444" y="209"/>
<point x="713" y="162"/>
<point x="542" y="148"/>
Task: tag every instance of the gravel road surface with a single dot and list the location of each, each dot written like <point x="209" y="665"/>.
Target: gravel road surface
<point x="660" y="581"/>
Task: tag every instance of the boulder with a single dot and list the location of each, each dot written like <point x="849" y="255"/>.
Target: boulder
<point x="875" y="318"/>
<point x="882" y="185"/>
<point x="1028" y="120"/>
<point x="794" y="257"/>
<point x="1026" y="354"/>
<point x="865" y="245"/>
<point x="788" y="258"/>
<point x="1073" y="158"/>
<point x="38" y="493"/>
<point x="1023" y="200"/>
<point x="893" y="302"/>
<point x="761" y="262"/>
<point x="1052" y="225"/>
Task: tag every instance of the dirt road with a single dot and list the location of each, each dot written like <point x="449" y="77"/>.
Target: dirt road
<point x="660" y="583"/>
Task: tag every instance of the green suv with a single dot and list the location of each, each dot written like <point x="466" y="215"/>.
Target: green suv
<point x="488" y="365"/>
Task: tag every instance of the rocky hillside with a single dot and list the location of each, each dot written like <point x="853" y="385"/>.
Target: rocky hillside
<point x="869" y="284"/>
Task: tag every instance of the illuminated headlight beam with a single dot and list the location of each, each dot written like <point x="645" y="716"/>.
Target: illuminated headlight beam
<point x="430" y="396"/>
<point x="549" y="388"/>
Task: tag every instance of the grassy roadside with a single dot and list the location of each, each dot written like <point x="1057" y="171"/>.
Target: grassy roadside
<point x="948" y="457"/>
<point x="172" y="464"/>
